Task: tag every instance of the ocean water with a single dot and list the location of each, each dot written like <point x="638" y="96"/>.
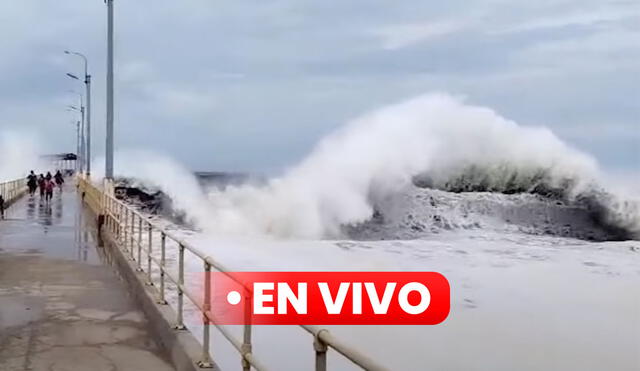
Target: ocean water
<point x="540" y="249"/>
<point x="522" y="298"/>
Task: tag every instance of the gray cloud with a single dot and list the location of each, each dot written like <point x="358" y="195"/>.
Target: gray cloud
<point x="253" y="84"/>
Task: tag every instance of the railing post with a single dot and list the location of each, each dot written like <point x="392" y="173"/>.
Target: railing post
<point x="163" y="245"/>
<point x="116" y="218"/>
<point x="246" y="334"/>
<point x="103" y="202"/>
<point x="114" y="215"/>
<point x="180" y="322"/>
<point x="206" y="357"/>
<point x="139" y="243"/>
<point x="110" y="221"/>
<point x="124" y="221"/>
<point x="149" y="251"/>
<point x="107" y="212"/>
<point x="321" y="352"/>
<point x="131" y="234"/>
<point x="120" y="214"/>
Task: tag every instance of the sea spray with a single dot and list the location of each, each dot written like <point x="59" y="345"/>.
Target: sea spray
<point x="435" y="138"/>
<point x="160" y="171"/>
<point x="380" y="153"/>
<point x="20" y="152"/>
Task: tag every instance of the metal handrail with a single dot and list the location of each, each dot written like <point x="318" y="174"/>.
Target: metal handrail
<point x="12" y="190"/>
<point x="121" y="221"/>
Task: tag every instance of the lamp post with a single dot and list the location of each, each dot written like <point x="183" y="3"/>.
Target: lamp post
<point x="78" y="146"/>
<point x="87" y="83"/>
<point x="109" y="138"/>
<point x="82" y="146"/>
<point x="77" y="124"/>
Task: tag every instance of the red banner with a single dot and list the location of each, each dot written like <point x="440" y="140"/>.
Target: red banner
<point x="329" y="298"/>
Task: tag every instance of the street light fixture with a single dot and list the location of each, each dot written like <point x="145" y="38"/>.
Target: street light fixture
<point x="81" y="153"/>
<point x="109" y="137"/>
<point x="71" y="108"/>
<point x="77" y="125"/>
<point x="87" y="82"/>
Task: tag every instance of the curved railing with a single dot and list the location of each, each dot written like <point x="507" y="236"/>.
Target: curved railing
<point x="135" y="234"/>
<point x="12" y="190"/>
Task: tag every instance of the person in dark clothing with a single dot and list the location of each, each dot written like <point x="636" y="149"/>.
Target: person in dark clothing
<point x="48" y="176"/>
<point x="32" y="183"/>
<point x="59" y="179"/>
<point x="42" y="183"/>
<point x="1" y="207"/>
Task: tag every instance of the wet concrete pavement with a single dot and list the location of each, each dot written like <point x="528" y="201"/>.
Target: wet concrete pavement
<point x="61" y="307"/>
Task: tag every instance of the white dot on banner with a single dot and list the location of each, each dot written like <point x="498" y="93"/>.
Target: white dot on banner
<point x="233" y="297"/>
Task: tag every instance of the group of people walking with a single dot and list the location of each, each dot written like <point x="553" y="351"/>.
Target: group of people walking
<point x="46" y="184"/>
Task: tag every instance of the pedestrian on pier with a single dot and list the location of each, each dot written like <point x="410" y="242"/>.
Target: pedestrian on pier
<point x="42" y="185"/>
<point x="1" y="207"/>
<point x="49" y="190"/>
<point x="59" y="179"/>
<point x="32" y="183"/>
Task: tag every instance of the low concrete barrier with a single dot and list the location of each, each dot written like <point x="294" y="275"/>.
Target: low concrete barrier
<point x="12" y="190"/>
<point x="180" y="345"/>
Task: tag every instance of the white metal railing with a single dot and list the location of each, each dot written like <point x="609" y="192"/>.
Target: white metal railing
<point x="12" y="190"/>
<point x="135" y="234"/>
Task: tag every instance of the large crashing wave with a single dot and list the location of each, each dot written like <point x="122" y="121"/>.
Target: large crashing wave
<point x="419" y="212"/>
<point x="590" y="211"/>
<point x="434" y="141"/>
<point x="435" y="138"/>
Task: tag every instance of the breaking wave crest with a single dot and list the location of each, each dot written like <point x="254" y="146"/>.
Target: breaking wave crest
<point x="617" y="216"/>
<point x="449" y="149"/>
<point x="436" y="138"/>
<point x="524" y="203"/>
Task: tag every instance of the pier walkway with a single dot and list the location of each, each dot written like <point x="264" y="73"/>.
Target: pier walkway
<point x="75" y="298"/>
<point x="62" y="307"/>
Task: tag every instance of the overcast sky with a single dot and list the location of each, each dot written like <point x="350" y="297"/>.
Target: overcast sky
<point x="253" y="84"/>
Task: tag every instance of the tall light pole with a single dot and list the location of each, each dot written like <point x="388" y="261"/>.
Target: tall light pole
<point x="77" y="124"/>
<point x="87" y="83"/>
<point x="78" y="146"/>
<point x="81" y="152"/>
<point x="109" y="144"/>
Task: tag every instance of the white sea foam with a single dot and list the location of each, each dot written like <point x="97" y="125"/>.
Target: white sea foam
<point x="378" y="154"/>
<point x="19" y="153"/>
<point x="345" y="177"/>
<point x="497" y="277"/>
